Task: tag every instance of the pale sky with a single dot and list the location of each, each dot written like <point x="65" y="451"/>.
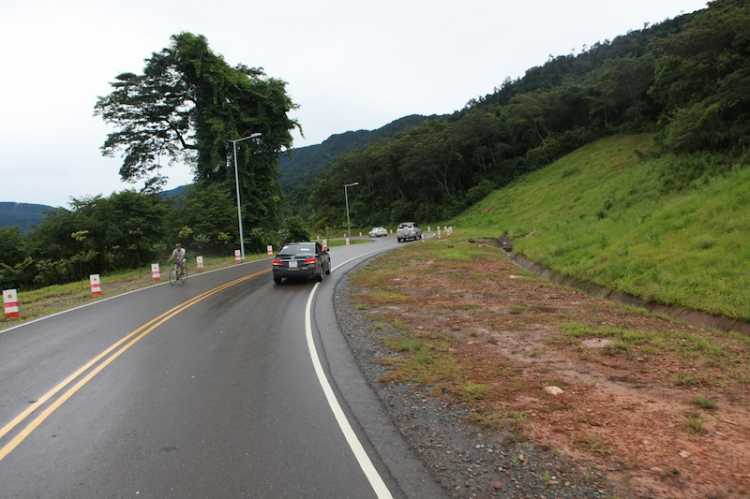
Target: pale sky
<point x="349" y="64"/>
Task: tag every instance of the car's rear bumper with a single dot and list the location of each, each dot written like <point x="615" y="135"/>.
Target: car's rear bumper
<point x="410" y="235"/>
<point x="298" y="273"/>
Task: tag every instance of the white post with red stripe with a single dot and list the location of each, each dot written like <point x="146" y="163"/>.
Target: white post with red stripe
<point x="11" y="303"/>
<point x="237" y="256"/>
<point x="199" y="261"/>
<point x="96" y="288"/>
<point x="155" y="272"/>
<point x="325" y="244"/>
<point x="269" y="248"/>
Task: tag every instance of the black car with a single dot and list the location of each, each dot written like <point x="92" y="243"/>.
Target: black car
<point x="301" y="261"/>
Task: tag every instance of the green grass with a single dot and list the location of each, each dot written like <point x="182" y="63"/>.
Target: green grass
<point x="511" y="424"/>
<point x="44" y="301"/>
<point x="705" y="403"/>
<point x="694" y="425"/>
<point x="687" y="344"/>
<point x="602" y="215"/>
<point x="589" y="443"/>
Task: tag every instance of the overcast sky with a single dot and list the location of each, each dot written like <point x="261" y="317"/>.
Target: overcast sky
<point x="349" y="64"/>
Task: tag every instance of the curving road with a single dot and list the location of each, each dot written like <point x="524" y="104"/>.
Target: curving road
<point x="225" y="386"/>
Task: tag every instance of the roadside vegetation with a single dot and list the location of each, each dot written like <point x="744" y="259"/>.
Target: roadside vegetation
<point x="604" y="215"/>
<point x="656" y="404"/>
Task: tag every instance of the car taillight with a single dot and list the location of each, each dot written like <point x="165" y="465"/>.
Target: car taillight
<point x="310" y="260"/>
<point x="276" y="262"/>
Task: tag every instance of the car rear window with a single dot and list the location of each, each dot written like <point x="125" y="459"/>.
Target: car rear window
<point x="298" y="248"/>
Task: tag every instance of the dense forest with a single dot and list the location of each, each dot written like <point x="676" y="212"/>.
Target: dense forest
<point x="685" y="79"/>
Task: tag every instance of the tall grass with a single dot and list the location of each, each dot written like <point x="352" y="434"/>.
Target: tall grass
<point x="604" y="215"/>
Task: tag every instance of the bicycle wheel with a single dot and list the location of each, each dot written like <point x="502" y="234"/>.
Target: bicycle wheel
<point x="173" y="276"/>
<point x="184" y="274"/>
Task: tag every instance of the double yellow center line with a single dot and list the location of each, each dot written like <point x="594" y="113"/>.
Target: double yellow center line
<point x="100" y="361"/>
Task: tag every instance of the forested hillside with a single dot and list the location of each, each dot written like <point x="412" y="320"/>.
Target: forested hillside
<point x="685" y="79"/>
<point x="301" y="166"/>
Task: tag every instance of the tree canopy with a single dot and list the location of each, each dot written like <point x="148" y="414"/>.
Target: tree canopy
<point x="186" y="107"/>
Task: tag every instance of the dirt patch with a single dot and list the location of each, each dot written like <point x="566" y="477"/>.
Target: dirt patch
<point x="659" y="406"/>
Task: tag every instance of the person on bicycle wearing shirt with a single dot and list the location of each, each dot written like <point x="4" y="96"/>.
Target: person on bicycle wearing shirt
<point x="179" y="254"/>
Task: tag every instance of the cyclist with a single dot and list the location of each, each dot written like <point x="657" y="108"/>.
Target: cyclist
<point x="179" y="255"/>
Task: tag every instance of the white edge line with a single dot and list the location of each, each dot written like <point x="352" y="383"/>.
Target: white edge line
<point x="61" y="312"/>
<point x="376" y="481"/>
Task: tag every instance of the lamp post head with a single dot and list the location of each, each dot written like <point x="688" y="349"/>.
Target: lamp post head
<point x="256" y="135"/>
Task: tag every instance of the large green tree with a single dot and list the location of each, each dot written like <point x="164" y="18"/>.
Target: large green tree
<point x="186" y="107"/>
<point x="702" y="76"/>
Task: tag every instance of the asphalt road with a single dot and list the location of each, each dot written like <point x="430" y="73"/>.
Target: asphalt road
<point x="224" y="386"/>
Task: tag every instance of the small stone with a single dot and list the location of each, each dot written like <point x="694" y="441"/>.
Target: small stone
<point x="553" y="390"/>
<point x="497" y="485"/>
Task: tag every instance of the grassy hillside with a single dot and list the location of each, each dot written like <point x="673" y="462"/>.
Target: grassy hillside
<point x="603" y="215"/>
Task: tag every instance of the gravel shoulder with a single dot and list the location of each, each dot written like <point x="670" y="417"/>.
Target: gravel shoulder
<point x="468" y="461"/>
<point x="580" y="397"/>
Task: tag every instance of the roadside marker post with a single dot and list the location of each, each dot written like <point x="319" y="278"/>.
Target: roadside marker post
<point x="270" y="250"/>
<point x="10" y="298"/>
<point x="199" y="261"/>
<point x="237" y="256"/>
<point x="96" y="288"/>
<point x="325" y="244"/>
<point x="155" y="272"/>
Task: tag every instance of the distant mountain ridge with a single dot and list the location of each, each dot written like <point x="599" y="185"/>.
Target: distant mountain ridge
<point x="299" y="168"/>
<point x="22" y="214"/>
<point x="27" y="215"/>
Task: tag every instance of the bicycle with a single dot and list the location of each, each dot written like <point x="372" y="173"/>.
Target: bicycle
<point x="178" y="274"/>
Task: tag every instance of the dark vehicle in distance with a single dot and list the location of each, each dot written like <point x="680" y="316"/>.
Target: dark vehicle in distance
<point x="304" y="260"/>
<point x="408" y="230"/>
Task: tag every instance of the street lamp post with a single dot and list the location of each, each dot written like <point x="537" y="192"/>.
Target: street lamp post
<point x="237" y="186"/>
<point x="346" y="195"/>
